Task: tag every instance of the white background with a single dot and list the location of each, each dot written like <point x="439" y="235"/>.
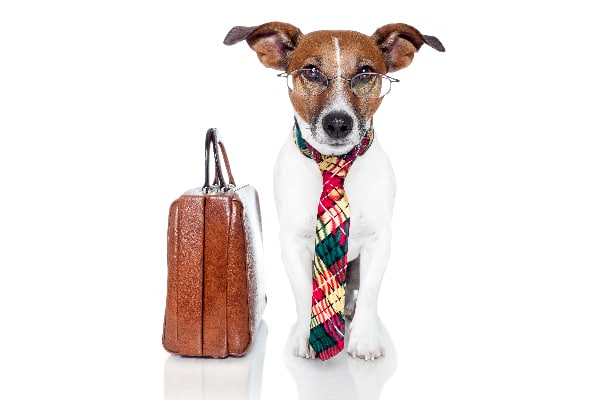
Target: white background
<point x="493" y="290"/>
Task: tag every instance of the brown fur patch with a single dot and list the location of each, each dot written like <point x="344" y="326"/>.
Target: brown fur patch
<point x="356" y="51"/>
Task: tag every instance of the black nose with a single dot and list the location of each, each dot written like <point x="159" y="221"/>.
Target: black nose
<point x="337" y="125"/>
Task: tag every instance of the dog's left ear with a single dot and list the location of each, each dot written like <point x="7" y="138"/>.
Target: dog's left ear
<point x="273" y="42"/>
<point x="399" y="43"/>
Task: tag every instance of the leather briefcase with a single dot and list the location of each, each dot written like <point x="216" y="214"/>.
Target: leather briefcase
<point x="215" y="290"/>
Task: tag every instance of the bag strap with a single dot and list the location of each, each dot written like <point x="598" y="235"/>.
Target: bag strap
<point x="226" y="159"/>
<point x="213" y="140"/>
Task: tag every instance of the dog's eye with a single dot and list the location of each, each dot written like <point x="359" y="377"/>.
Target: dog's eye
<point x="313" y="75"/>
<point x="365" y="69"/>
<point x="364" y="78"/>
<point x="367" y="84"/>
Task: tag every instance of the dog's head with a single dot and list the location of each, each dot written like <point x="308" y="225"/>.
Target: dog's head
<point x="337" y="79"/>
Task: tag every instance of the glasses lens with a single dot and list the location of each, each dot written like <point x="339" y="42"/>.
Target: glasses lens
<point x="307" y="82"/>
<point x="370" y="85"/>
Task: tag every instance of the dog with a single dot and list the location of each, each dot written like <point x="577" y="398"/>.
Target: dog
<point x="336" y="80"/>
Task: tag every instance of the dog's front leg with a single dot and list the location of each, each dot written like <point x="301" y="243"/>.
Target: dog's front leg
<point x="365" y="338"/>
<point x="297" y="254"/>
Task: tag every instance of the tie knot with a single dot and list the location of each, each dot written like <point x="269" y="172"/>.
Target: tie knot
<point x="335" y="166"/>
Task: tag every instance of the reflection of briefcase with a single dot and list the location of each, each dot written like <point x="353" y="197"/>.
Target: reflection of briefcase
<point x="215" y="292"/>
<point x="232" y="378"/>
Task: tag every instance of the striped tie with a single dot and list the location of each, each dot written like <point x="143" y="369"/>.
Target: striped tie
<point x="327" y="321"/>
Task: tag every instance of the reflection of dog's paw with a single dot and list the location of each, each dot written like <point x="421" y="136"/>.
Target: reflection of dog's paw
<point x="301" y="347"/>
<point x="365" y="343"/>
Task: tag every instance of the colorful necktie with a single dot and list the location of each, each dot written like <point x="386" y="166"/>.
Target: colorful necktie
<point x="327" y="321"/>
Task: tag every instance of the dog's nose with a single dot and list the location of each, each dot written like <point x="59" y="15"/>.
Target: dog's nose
<point x="337" y="125"/>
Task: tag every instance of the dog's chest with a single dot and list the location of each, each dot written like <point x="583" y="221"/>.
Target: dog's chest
<point x="369" y="187"/>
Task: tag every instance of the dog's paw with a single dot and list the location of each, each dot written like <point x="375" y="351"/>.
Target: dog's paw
<point x="301" y="347"/>
<point x="365" y="342"/>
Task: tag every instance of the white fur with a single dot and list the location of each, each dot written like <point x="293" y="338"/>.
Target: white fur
<point x="370" y="187"/>
<point x="338" y="55"/>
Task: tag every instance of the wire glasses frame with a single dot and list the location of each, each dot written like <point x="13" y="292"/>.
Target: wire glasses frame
<point x="312" y="82"/>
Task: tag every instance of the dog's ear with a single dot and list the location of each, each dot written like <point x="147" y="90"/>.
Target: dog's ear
<point x="399" y="43"/>
<point x="273" y="42"/>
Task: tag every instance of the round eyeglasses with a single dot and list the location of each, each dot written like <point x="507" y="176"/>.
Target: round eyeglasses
<point x="312" y="82"/>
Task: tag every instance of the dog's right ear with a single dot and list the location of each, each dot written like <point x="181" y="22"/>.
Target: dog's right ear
<point x="273" y="42"/>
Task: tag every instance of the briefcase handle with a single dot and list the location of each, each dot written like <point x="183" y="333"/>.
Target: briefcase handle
<point x="213" y="140"/>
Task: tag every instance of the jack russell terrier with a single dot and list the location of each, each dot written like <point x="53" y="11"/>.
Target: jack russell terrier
<point x="336" y="82"/>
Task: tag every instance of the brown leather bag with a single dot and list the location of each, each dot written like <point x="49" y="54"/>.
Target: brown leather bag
<point x="215" y="291"/>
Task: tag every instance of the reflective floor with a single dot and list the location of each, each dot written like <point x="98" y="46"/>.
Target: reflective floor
<point x="342" y="377"/>
<point x="241" y="378"/>
<point x="228" y="378"/>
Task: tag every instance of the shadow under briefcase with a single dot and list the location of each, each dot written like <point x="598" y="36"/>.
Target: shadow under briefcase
<point x="215" y="289"/>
